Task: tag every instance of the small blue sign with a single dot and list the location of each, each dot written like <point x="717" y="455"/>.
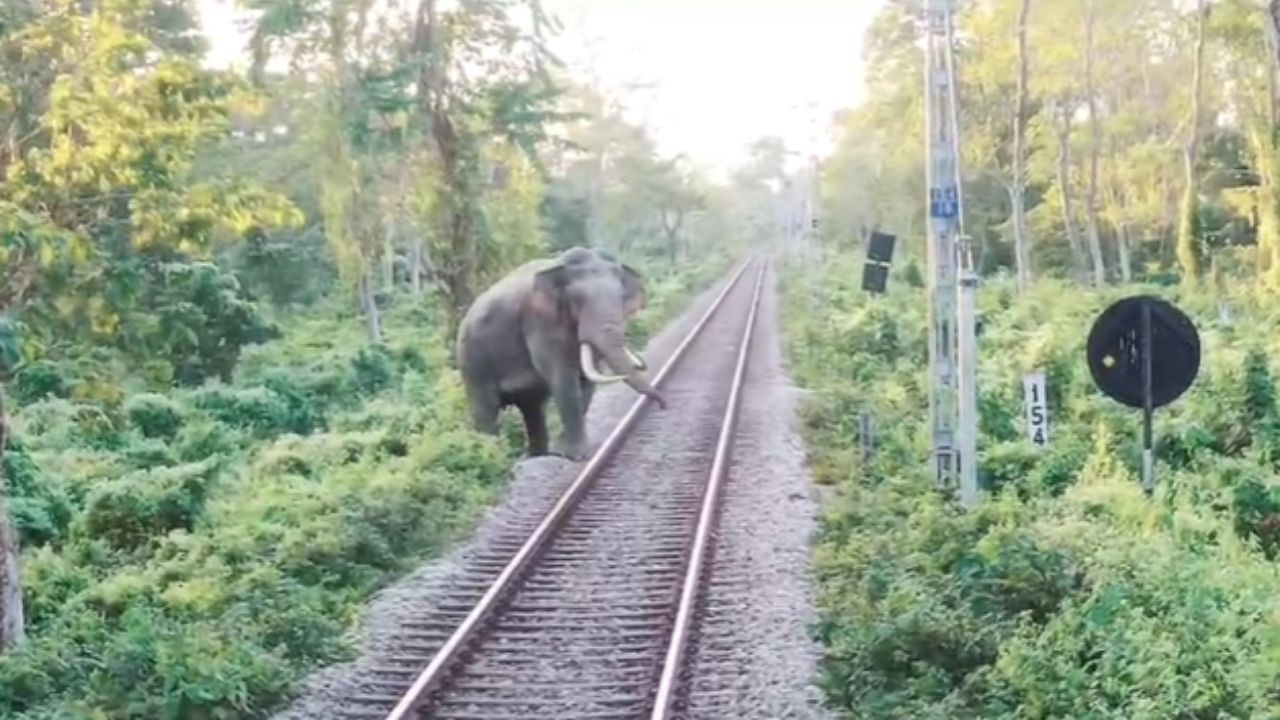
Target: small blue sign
<point x="943" y="202"/>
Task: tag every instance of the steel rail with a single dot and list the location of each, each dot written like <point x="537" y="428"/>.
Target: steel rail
<point x="437" y="669"/>
<point x="664" y="704"/>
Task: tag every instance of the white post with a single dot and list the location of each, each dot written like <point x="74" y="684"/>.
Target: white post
<point x="968" y="390"/>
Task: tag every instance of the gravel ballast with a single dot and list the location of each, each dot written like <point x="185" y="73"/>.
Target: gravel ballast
<point x="758" y="607"/>
<point x="753" y="657"/>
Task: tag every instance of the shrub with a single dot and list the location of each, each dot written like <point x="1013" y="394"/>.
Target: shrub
<point x="308" y="396"/>
<point x="258" y="410"/>
<point x="41" y="510"/>
<point x="1065" y="593"/>
<point x="199" y="573"/>
<point x="154" y="415"/>
<point x="205" y="439"/>
<point x="372" y="370"/>
<point x="130" y="510"/>
<point x="150" y="453"/>
<point x="39" y="380"/>
<point x="65" y="424"/>
<point x="202" y="320"/>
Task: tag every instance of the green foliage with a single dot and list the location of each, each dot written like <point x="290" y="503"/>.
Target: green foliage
<point x="40" y="509"/>
<point x="208" y="485"/>
<point x="256" y="410"/>
<point x="192" y="553"/>
<point x="39" y="380"/>
<point x="1065" y="593"/>
<point x="203" y="321"/>
<point x="154" y="415"/>
<point x="371" y="370"/>
<point x="126" y="512"/>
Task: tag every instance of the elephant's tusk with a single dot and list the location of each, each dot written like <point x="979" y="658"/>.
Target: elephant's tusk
<point x="587" y="358"/>
<point x="636" y="360"/>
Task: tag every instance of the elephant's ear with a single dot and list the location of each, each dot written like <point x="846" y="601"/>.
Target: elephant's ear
<point x="548" y="291"/>
<point x="633" y="297"/>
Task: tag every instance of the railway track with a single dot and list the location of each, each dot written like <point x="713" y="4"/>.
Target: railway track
<point x="589" y="611"/>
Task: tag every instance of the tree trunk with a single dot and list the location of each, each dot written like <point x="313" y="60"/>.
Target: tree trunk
<point x="458" y="271"/>
<point x="1262" y="144"/>
<point x="389" y="256"/>
<point x="1188" y="258"/>
<point x="369" y="306"/>
<point x="1124" y="252"/>
<point x="1264" y="141"/>
<point x="671" y="228"/>
<point x="12" y="624"/>
<point x="1272" y="23"/>
<point x="1095" y="141"/>
<point x="1064" y="187"/>
<point x="416" y="262"/>
<point x="1018" y="190"/>
<point x="594" y="202"/>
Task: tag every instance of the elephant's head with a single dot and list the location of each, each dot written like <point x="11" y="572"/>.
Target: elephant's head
<point x="592" y="294"/>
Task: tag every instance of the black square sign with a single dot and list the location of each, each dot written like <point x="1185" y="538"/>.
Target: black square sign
<point x="874" y="277"/>
<point x="880" y="247"/>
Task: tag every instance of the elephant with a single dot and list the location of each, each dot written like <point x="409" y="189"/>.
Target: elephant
<point x="541" y="332"/>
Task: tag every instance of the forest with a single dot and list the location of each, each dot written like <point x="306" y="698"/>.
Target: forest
<point x="228" y="301"/>
<point x="1109" y="149"/>
<point x="227" y="311"/>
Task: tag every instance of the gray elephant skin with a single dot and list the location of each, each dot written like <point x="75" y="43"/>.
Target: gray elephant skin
<point x="541" y="333"/>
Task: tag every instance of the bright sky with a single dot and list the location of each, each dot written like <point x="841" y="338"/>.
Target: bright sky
<point x="723" y="72"/>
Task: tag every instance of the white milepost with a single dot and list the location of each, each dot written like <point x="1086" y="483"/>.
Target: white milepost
<point x="1037" y="405"/>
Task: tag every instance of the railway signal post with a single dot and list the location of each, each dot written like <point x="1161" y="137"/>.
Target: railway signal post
<point x="952" y="280"/>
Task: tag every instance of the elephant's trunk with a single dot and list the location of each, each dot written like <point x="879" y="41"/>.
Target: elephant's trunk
<point x="601" y="332"/>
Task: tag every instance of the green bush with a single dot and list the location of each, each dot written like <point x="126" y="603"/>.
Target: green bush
<point x="40" y="509"/>
<point x="372" y="370"/>
<point x="308" y="396"/>
<point x="203" y="319"/>
<point x="64" y="424"/>
<point x="150" y="453"/>
<point x="257" y="410"/>
<point x="191" y="553"/>
<point x="154" y="415"/>
<point x="130" y="510"/>
<point x="1065" y="593"/>
<point x="204" y="439"/>
<point x="39" y="380"/>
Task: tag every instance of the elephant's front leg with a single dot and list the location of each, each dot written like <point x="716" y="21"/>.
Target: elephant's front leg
<point x="572" y="442"/>
<point x="535" y="424"/>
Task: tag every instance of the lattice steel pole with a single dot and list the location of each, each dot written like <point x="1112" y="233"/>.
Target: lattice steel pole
<point x="942" y="176"/>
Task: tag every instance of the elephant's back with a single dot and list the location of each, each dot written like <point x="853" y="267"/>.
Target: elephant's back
<point x="495" y="316"/>
<point x="515" y="285"/>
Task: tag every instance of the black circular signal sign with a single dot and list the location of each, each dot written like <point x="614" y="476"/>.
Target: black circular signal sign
<point x="1115" y="351"/>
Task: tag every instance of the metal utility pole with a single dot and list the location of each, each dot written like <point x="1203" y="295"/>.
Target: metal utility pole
<point x="952" y="280"/>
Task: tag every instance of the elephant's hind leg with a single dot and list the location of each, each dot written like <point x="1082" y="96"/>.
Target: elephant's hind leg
<point x="485" y="405"/>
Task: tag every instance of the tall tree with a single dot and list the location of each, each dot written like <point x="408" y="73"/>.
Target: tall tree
<point x="1064" y="108"/>
<point x="1188" y="253"/>
<point x="1018" y="183"/>
<point x="1271" y="25"/>
<point x="12" y="624"/>
<point x="100" y="205"/>
<point x="463" y="112"/>
<point x="1095" y="145"/>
